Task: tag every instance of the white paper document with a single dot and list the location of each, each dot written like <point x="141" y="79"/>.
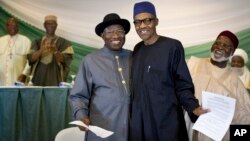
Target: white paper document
<point x="95" y="129"/>
<point x="215" y="123"/>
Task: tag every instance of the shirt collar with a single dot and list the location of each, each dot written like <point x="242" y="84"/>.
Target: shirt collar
<point x="120" y="53"/>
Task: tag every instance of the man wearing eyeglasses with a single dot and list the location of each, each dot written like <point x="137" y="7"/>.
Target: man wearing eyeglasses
<point x="100" y="95"/>
<point x="161" y="83"/>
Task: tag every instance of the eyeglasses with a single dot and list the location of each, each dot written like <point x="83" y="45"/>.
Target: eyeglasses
<point x="146" y="21"/>
<point x="117" y="32"/>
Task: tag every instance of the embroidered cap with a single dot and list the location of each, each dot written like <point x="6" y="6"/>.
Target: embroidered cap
<point x="50" y="18"/>
<point x="231" y="36"/>
<point x="144" y="7"/>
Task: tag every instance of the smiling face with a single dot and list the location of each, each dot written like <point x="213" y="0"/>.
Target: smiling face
<point x="114" y="37"/>
<point x="222" y="49"/>
<point x="237" y="65"/>
<point x="237" y="61"/>
<point x="145" y="26"/>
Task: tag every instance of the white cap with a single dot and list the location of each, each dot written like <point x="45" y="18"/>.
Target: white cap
<point x="242" y="53"/>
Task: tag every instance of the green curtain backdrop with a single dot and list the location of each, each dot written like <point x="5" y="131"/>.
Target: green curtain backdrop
<point x="33" y="114"/>
<point x="35" y="33"/>
<point x="81" y="50"/>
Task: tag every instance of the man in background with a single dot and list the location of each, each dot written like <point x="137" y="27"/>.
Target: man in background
<point x="14" y="48"/>
<point x="238" y="65"/>
<point x="214" y="75"/>
<point x="50" y="57"/>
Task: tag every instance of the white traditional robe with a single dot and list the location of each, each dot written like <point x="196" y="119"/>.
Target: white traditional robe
<point x="210" y="78"/>
<point x="245" y="77"/>
<point x="13" y="56"/>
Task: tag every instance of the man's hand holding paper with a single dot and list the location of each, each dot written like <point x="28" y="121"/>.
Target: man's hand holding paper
<point x="95" y="129"/>
<point x="215" y="123"/>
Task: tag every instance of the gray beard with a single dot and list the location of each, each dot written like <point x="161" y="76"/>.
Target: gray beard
<point x="220" y="59"/>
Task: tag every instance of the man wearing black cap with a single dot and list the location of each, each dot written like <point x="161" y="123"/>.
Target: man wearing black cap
<point x="161" y="83"/>
<point x="100" y="95"/>
<point x="213" y="75"/>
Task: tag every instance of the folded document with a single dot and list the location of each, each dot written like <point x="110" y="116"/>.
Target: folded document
<point x="95" y="129"/>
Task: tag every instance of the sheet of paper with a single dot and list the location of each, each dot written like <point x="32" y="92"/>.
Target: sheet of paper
<point x="95" y="129"/>
<point x="215" y="123"/>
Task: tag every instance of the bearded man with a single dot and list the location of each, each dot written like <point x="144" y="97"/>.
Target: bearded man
<point x="214" y="75"/>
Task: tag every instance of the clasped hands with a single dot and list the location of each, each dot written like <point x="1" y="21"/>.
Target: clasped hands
<point x="52" y="49"/>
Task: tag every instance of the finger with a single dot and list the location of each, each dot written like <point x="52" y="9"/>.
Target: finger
<point x="83" y="128"/>
<point x="86" y="121"/>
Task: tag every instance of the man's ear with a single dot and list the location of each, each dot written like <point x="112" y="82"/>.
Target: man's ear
<point x="102" y="35"/>
<point x="156" y="21"/>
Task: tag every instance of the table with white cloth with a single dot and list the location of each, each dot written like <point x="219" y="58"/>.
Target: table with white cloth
<point x="33" y="113"/>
